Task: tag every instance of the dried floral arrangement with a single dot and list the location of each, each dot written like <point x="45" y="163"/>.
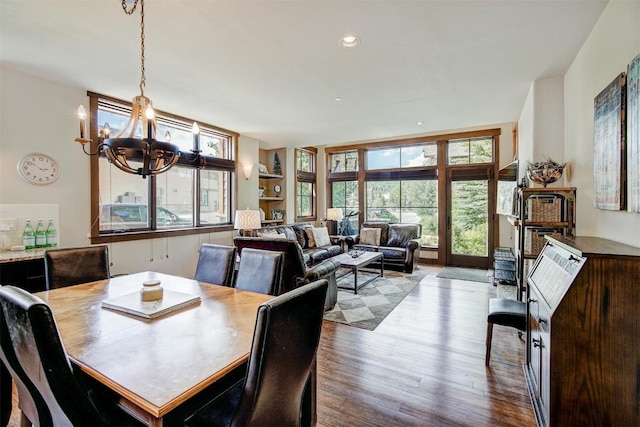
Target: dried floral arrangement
<point x="546" y="171"/>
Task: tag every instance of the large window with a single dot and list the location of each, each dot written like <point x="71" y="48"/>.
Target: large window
<point x="414" y="201"/>
<point x="344" y="195"/>
<point x="402" y="157"/>
<point x="470" y="151"/>
<point x="408" y="181"/>
<point x="305" y="184"/>
<point x="193" y="196"/>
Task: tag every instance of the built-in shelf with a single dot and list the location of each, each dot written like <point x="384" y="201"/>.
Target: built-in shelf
<point x="270" y="176"/>
<point x="272" y="191"/>
<point x="272" y="221"/>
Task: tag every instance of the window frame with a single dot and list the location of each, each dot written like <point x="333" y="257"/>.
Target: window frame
<point x="306" y="177"/>
<point x="439" y="172"/>
<point x="187" y="160"/>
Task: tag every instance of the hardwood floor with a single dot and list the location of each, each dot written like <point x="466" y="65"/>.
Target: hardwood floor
<point x="423" y="366"/>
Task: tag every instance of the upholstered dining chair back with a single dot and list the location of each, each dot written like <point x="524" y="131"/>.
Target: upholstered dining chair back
<point x="260" y="271"/>
<point x="32" y="406"/>
<point x="281" y="359"/>
<point x="38" y="348"/>
<point x="72" y="266"/>
<point x="285" y="341"/>
<point x="216" y="264"/>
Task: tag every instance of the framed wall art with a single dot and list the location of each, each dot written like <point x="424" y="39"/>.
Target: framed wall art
<point x="633" y="135"/>
<point x="609" y="156"/>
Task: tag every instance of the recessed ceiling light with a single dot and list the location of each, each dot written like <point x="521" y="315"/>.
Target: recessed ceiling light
<point x="349" y="41"/>
<point x="337" y="98"/>
<point x="420" y="123"/>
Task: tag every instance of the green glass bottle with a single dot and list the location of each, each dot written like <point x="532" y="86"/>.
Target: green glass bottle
<point x="28" y="236"/>
<point x="52" y="235"/>
<point x="41" y="235"/>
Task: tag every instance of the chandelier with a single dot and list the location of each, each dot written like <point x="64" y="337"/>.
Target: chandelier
<point x="156" y="156"/>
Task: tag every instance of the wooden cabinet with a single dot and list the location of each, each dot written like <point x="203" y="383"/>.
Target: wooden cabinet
<point x="272" y="187"/>
<point x="539" y="212"/>
<point x="27" y="274"/>
<point x="583" y="333"/>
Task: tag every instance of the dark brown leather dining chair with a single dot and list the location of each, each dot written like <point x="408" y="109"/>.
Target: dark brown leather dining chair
<point x="216" y="264"/>
<point x="34" y="336"/>
<point x="33" y="409"/>
<point x="285" y="341"/>
<point x="72" y="266"/>
<point x="260" y="271"/>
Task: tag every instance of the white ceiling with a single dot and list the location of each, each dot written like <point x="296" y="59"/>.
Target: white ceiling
<point x="271" y="69"/>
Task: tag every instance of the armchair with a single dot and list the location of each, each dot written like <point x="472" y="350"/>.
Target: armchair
<point x="399" y="243"/>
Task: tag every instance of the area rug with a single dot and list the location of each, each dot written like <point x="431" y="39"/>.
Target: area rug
<point x="373" y="302"/>
<point x="470" y="274"/>
<point x="506" y="291"/>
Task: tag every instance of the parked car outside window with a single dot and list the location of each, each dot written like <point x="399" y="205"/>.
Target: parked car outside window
<point x="130" y="216"/>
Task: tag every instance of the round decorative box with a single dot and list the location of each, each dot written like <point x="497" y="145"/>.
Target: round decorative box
<point x="151" y="291"/>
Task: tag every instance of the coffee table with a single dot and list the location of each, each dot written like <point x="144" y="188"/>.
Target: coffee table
<point x="356" y="264"/>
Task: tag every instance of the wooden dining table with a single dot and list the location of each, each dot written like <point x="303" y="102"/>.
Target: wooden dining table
<point x="156" y="365"/>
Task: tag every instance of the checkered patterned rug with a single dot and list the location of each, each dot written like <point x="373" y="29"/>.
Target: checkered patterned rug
<point x="373" y="302"/>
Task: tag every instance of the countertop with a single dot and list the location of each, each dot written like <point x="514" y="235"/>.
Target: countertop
<point x="28" y="254"/>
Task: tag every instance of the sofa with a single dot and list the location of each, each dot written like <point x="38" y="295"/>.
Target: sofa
<point x="295" y="272"/>
<point x="399" y="243"/>
<point x="312" y="253"/>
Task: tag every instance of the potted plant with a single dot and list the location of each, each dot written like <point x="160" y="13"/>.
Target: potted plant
<point x="278" y="214"/>
<point x="545" y="172"/>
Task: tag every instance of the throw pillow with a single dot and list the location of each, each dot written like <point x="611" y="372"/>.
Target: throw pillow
<point x="321" y="236"/>
<point x="280" y="236"/>
<point x="267" y="233"/>
<point x="370" y="236"/>
<point x="301" y="235"/>
<point x="311" y="240"/>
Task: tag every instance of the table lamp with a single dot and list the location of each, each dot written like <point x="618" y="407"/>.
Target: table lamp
<point x="246" y="221"/>
<point x="334" y="214"/>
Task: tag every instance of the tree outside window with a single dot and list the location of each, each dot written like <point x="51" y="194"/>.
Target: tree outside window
<point x="305" y="184"/>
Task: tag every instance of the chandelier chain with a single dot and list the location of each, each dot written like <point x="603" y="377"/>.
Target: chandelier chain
<point x="143" y="77"/>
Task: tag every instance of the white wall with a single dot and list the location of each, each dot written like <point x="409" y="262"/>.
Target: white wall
<point x="248" y="154"/>
<point x="540" y="126"/>
<point x="40" y="116"/>
<point x="613" y="43"/>
<point x="526" y="124"/>
<point x="549" y="119"/>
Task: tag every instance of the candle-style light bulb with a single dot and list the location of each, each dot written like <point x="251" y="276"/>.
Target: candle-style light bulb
<point x="167" y="136"/>
<point x="196" y="136"/>
<point x="150" y="115"/>
<point x="106" y="130"/>
<point x="82" y="115"/>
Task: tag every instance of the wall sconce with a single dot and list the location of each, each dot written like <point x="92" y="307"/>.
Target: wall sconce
<point x="246" y="170"/>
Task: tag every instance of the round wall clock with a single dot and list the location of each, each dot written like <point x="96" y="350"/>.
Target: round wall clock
<point x="277" y="188"/>
<point x="38" y="168"/>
